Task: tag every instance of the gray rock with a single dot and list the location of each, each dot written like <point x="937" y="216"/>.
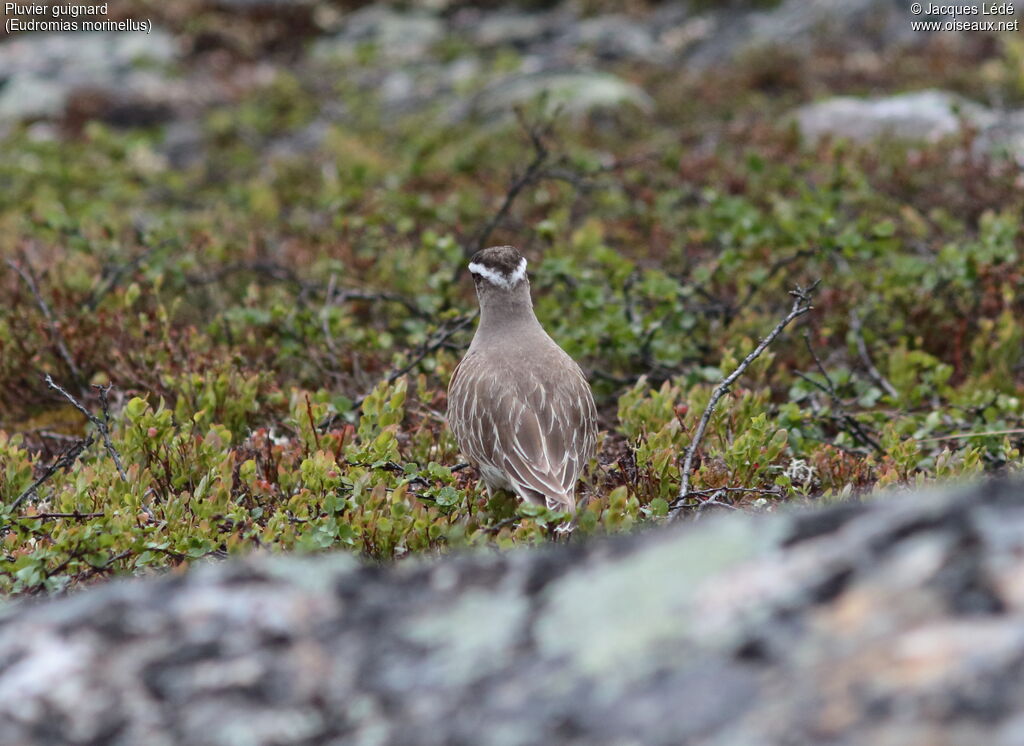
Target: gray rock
<point x="302" y="142"/>
<point x="39" y="72"/>
<point x="711" y="34"/>
<point x="183" y="144"/>
<point x="559" y="33"/>
<point x="95" y="57"/>
<point x="895" y="621"/>
<point x="800" y="21"/>
<point x="30" y="97"/>
<point x="512" y="28"/>
<point x="923" y="115"/>
<point x="796" y="26"/>
<point x="576" y="93"/>
<point x="1005" y="136"/>
<point x="397" y="88"/>
<point x="616" y="36"/>
<point x="395" y="35"/>
<point x="461" y="71"/>
<point x="265" y="6"/>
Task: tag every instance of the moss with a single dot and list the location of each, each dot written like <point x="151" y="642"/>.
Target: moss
<point x="604" y="620"/>
<point x="474" y="637"/>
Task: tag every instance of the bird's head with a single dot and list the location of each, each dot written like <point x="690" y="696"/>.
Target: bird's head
<point x="498" y="270"/>
<point x="502" y="286"/>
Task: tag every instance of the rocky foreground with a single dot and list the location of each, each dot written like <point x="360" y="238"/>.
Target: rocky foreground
<point x="897" y="621"/>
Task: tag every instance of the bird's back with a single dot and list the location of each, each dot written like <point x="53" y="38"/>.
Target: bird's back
<point x="522" y="409"/>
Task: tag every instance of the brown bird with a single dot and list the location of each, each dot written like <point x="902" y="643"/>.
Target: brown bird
<point x="520" y="407"/>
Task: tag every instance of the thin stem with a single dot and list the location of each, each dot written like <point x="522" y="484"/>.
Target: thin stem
<point x="51" y="322"/>
<point x="101" y="425"/>
<point x="64" y="461"/>
<point x="801" y="305"/>
<point x="865" y="357"/>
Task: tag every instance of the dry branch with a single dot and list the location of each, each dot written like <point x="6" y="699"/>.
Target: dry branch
<point x="66" y="459"/>
<point x="852" y="426"/>
<point x="865" y="357"/>
<point x="801" y="305"/>
<point x="438" y="340"/>
<point x="431" y="345"/>
<point x="54" y="516"/>
<point x="112" y="276"/>
<point x="101" y="424"/>
<point x="534" y="171"/>
<point x="51" y="322"/>
<point x="983" y="434"/>
<point x="280" y="273"/>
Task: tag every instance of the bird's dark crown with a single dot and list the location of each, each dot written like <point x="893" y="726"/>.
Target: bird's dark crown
<point x="502" y="266"/>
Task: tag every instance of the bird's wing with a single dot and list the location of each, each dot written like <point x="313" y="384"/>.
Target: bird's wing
<point x="467" y="409"/>
<point x="538" y="429"/>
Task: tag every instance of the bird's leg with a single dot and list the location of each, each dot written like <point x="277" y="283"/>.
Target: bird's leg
<point x="566" y="528"/>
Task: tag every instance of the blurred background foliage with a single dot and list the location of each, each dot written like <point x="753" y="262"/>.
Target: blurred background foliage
<point x="252" y="269"/>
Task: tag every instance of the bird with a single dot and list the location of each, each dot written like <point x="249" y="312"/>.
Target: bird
<point x="520" y="407"/>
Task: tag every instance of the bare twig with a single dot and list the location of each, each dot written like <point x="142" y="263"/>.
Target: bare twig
<point x="801" y="305"/>
<point x="281" y="273"/>
<point x="957" y="436"/>
<point x="112" y="277"/>
<point x="712" y="501"/>
<point x="835" y="417"/>
<point x="496" y="527"/>
<point x="64" y="461"/>
<point x="325" y="325"/>
<point x="431" y="345"/>
<point x="713" y="491"/>
<point x="853" y="427"/>
<point x="709" y="498"/>
<point x="312" y="424"/>
<point x="51" y="322"/>
<point x="777" y="267"/>
<point x="344" y="295"/>
<point x="533" y="172"/>
<point x="628" y="304"/>
<point x="586" y="180"/>
<point x="51" y="435"/>
<point x="442" y="336"/>
<point x="272" y="270"/>
<point x="54" y="516"/>
<point x="865" y="357"/>
<point x="105" y="567"/>
<point x="101" y="424"/>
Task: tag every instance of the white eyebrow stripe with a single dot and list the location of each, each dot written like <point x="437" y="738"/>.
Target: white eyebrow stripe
<point x="497" y="278"/>
<point x="520" y="272"/>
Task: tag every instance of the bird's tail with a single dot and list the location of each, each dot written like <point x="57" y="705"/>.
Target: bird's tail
<point x="564" y="502"/>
